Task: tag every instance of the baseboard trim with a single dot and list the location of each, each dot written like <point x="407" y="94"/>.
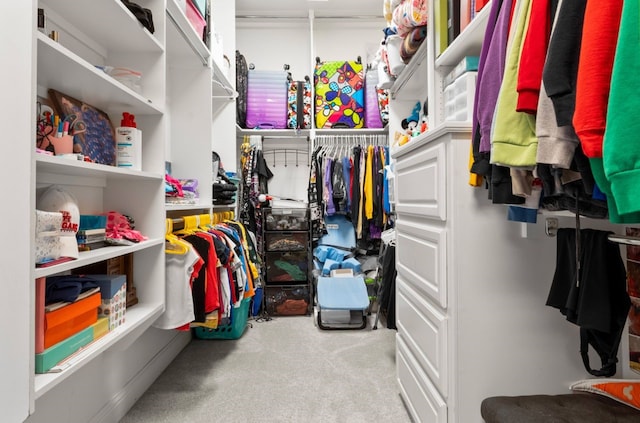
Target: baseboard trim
<point x="115" y="409"/>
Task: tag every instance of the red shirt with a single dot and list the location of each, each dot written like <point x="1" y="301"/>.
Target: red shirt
<point x="532" y="58"/>
<point x="599" y="41"/>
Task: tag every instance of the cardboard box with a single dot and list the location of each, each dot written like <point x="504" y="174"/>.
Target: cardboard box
<point x="63" y="349"/>
<point x="113" y="289"/>
<point x="61" y="323"/>
<point x="100" y="328"/>
<point x="121" y="265"/>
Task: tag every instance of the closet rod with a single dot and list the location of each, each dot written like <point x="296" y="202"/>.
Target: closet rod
<point x="177" y="223"/>
<point x="360" y="17"/>
<point x="286" y="150"/>
<point x="625" y="239"/>
<point x="277" y="137"/>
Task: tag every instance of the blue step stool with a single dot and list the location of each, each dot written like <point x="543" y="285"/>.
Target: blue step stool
<point x="342" y="302"/>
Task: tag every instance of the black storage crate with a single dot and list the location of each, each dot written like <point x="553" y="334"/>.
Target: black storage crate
<point x="290" y="219"/>
<point x="287" y="300"/>
<point x="287" y="267"/>
<point x="286" y="241"/>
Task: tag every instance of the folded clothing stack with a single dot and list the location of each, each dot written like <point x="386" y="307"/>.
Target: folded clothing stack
<point x="223" y="193"/>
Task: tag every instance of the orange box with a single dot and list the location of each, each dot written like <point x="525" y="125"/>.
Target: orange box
<point x="70" y="319"/>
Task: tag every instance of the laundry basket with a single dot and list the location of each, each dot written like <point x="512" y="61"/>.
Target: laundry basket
<point x="239" y="316"/>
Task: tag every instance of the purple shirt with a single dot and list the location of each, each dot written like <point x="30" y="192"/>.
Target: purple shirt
<point x="492" y="73"/>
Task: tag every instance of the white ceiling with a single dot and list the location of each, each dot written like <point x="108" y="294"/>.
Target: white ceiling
<point x="300" y="8"/>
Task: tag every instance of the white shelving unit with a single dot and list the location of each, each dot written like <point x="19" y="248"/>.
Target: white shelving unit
<point x="86" y="40"/>
<point x="175" y="108"/>
<point x="456" y="307"/>
<point x="174" y="65"/>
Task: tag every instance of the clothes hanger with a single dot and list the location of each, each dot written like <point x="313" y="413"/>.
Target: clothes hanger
<point x="173" y="245"/>
<point x="204" y="222"/>
<point x="190" y="226"/>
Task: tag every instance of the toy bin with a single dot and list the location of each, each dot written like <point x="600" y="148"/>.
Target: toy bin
<point x="239" y="316"/>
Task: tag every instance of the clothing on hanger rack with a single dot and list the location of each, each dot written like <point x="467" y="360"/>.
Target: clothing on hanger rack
<point x="210" y="268"/>
<point x="347" y="177"/>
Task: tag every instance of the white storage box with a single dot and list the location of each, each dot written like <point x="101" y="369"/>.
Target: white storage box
<point x="458" y="98"/>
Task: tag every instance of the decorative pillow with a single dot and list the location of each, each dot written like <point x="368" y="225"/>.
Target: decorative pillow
<point x="626" y="391"/>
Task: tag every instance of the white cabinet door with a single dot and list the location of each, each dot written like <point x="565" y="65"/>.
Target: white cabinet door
<point x="422" y="257"/>
<point x="422" y="399"/>
<point x="423" y="328"/>
<point x="421" y="182"/>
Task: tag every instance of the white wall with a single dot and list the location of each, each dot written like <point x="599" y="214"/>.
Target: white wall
<point x="270" y="43"/>
<point x="224" y="123"/>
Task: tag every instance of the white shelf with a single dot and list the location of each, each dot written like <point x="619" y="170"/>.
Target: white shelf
<point x="362" y="131"/>
<point x="178" y="207"/>
<point x="138" y="318"/>
<point x="95" y="256"/>
<point x="68" y="167"/>
<point x="468" y="43"/>
<point x="302" y="133"/>
<point x="418" y="59"/>
<point x="222" y="89"/>
<point x="182" y="40"/>
<point x="61" y="69"/>
<point x="429" y="136"/>
<point x="97" y="18"/>
<point x="224" y="206"/>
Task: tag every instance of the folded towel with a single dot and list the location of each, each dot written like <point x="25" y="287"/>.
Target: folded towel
<point x="412" y="42"/>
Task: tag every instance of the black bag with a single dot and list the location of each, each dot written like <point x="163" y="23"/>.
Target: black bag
<point x="242" y="76"/>
<point x="145" y="16"/>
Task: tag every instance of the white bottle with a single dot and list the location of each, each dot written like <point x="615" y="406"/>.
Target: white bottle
<point x="128" y="143"/>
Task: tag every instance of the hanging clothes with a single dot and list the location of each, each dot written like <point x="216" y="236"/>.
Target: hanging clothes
<point x="621" y="155"/>
<point x="591" y="293"/>
<point x="180" y="269"/>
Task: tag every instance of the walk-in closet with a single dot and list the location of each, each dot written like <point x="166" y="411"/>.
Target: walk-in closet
<point x="317" y="210"/>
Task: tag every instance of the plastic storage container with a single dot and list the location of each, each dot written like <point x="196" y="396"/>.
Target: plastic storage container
<point x="239" y="316"/>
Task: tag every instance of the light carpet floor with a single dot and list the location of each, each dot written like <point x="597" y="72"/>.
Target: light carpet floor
<point x="282" y="370"/>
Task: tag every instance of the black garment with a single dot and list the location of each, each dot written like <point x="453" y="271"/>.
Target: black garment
<point x="202" y="247"/>
<point x="378" y="179"/>
<point x="355" y="182"/>
<point x="500" y="187"/>
<point x="338" y="187"/>
<point x="66" y="288"/>
<point x="596" y="299"/>
<point x="263" y="171"/>
<point x="562" y="196"/>
<point x="561" y="67"/>
<point x="142" y="14"/>
<point x="387" y="301"/>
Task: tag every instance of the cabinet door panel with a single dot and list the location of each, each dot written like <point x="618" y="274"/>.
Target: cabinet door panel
<point x="421" y="183"/>
<point x="424" y="329"/>
<point x="422" y="258"/>
<point x="423" y="401"/>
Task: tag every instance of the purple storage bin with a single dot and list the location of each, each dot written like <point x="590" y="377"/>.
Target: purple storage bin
<point x="371" y="105"/>
<point x="267" y="99"/>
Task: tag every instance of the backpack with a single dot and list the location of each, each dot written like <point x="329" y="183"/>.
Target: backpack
<point x="144" y="15"/>
<point x="242" y="76"/>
